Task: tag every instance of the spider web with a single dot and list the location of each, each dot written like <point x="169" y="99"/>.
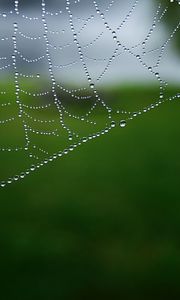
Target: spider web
<point x="57" y="107"/>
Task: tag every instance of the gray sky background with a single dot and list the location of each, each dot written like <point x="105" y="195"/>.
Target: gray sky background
<point x="123" y="68"/>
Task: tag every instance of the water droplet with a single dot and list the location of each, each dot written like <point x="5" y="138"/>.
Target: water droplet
<point x="92" y="85"/>
<point x="123" y="123"/>
<point x="113" y="124"/>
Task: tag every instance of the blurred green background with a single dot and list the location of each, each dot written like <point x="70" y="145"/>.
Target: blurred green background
<point x="102" y="222"/>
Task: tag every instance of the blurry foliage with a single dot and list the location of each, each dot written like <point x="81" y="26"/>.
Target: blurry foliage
<point x="102" y="223"/>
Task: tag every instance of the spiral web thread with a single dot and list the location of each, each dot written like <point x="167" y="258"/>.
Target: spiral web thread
<point x="30" y="107"/>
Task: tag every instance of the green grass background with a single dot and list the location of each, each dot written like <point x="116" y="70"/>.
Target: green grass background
<point x="100" y="223"/>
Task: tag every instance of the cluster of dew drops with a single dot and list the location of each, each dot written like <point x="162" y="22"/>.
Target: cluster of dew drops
<point x="119" y="47"/>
